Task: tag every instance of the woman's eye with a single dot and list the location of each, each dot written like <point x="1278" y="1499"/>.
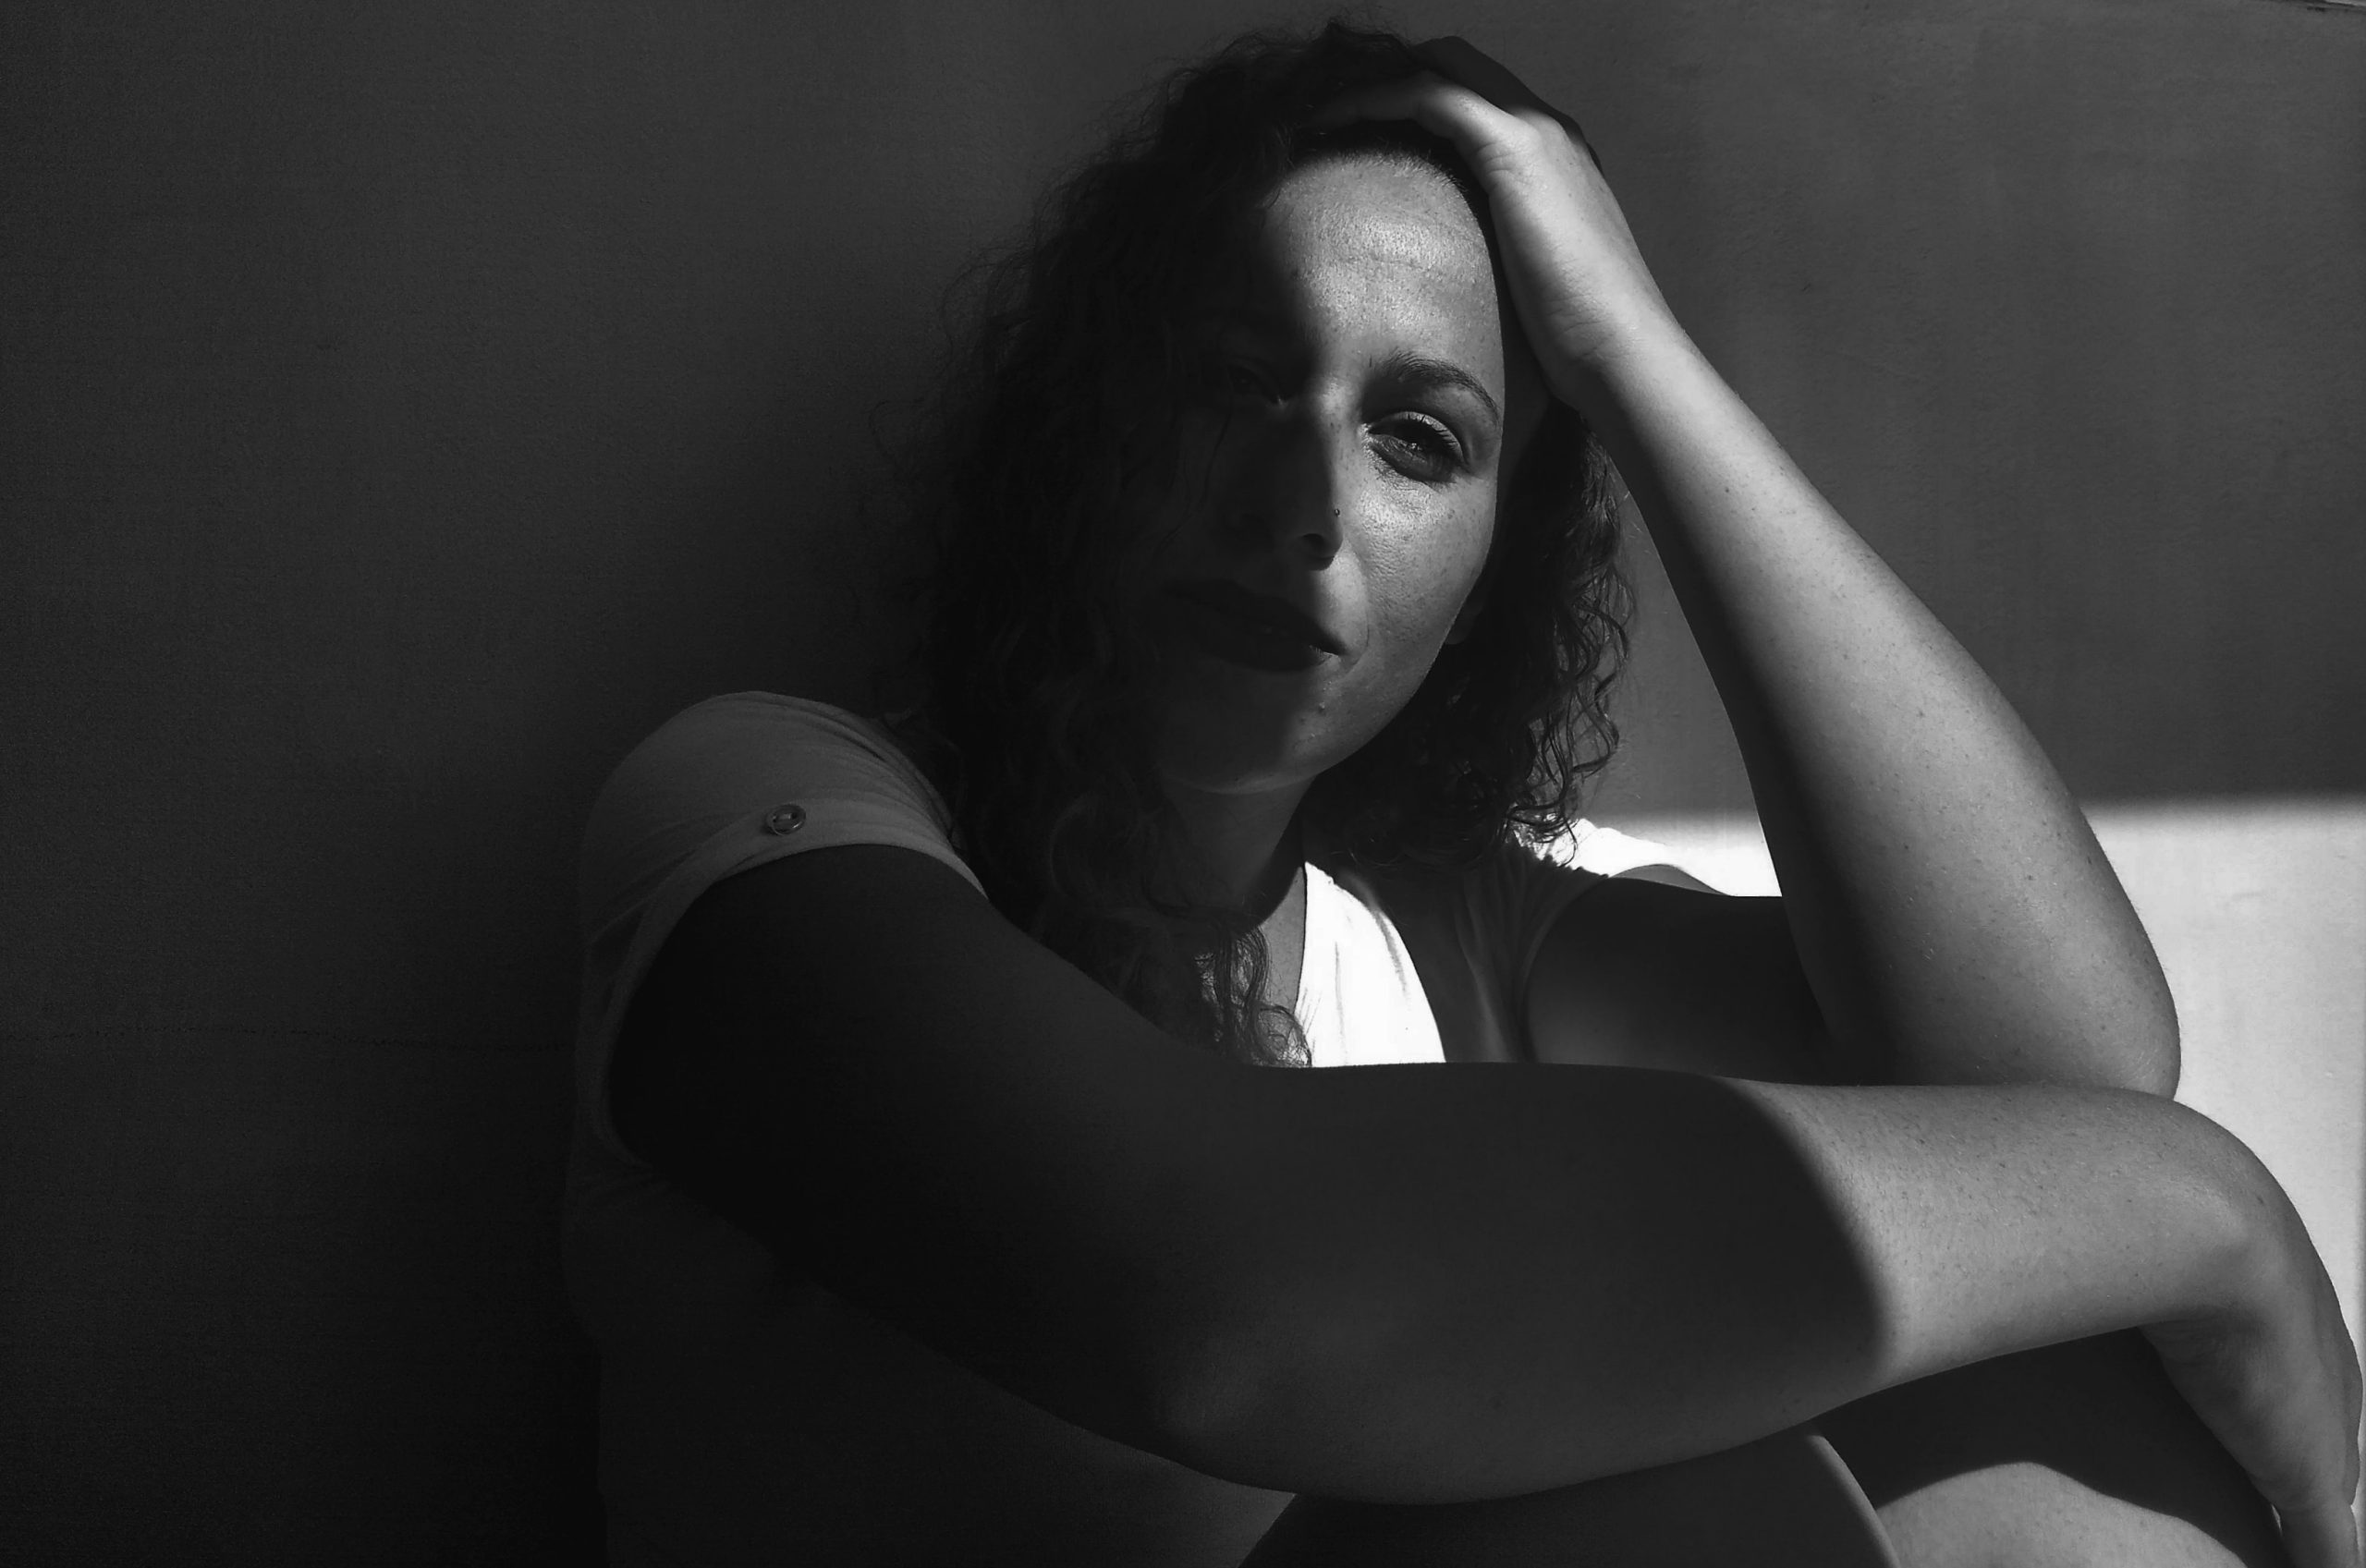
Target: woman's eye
<point x="1420" y="446"/>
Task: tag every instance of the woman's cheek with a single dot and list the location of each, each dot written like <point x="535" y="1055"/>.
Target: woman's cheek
<point x="1414" y="626"/>
<point x="1432" y="570"/>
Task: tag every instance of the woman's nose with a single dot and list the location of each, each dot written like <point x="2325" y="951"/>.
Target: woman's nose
<point x="1293" y="495"/>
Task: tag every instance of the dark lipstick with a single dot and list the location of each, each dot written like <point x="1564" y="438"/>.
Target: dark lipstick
<point x="1256" y="629"/>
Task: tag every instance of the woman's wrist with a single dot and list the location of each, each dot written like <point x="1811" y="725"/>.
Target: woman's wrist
<point x="2002" y="1218"/>
<point x="1602" y="377"/>
<point x="2259" y="1242"/>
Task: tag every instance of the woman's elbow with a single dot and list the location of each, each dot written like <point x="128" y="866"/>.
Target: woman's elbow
<point x="2152" y="1053"/>
<point x="2136" y="1048"/>
<point x="1263" y="1368"/>
<point x="2140" y="1027"/>
<point x="1216" y="1376"/>
<point x="1206" y="1410"/>
<point x="2112" y="1028"/>
<point x="2157" y="1069"/>
<point x="2157" y="1075"/>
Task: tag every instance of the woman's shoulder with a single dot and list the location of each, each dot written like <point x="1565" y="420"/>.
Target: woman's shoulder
<point x="740" y="721"/>
<point x="1494" y="905"/>
<point x="1496" y="885"/>
<point x="724" y="744"/>
<point x="785" y="773"/>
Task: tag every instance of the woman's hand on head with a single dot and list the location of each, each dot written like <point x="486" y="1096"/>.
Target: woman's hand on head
<point x="1577" y="281"/>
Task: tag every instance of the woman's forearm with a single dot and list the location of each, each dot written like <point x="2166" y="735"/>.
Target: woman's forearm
<point x="1956" y="917"/>
<point x="1674" y="1265"/>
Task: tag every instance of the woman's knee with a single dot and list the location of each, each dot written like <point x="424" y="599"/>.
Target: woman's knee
<point x="2080" y="1456"/>
<point x="1787" y="1500"/>
<point x="2025" y="1515"/>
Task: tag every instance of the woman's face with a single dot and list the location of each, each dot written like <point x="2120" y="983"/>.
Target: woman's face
<point x="1334" y="500"/>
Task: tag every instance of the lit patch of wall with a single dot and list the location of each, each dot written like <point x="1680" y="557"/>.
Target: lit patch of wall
<point x="2258" y="911"/>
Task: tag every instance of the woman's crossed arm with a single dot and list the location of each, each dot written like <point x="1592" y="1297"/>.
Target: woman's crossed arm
<point x="1419" y="1284"/>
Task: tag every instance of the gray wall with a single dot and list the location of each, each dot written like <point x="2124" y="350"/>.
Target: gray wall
<point x="2064" y="308"/>
<point x="404" y="409"/>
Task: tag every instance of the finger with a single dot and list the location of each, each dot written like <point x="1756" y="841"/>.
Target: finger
<point x="1462" y="114"/>
<point x="1442" y="107"/>
<point x="1461" y="60"/>
<point x="1472" y="66"/>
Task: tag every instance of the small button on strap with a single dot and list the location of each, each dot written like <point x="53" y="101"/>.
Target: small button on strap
<point x="783" y="818"/>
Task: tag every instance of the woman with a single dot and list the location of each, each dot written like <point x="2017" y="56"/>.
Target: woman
<point x="931" y="1202"/>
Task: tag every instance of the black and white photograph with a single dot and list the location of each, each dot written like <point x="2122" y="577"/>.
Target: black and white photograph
<point x="1531" y="783"/>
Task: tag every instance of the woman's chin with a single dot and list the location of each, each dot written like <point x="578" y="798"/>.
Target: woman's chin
<point x="1237" y="748"/>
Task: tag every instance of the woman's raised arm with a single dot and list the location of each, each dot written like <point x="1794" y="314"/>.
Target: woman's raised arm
<point x="1956" y="919"/>
<point x="1422" y="1284"/>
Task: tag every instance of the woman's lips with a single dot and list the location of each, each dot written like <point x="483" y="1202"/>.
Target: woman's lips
<point x="1230" y="623"/>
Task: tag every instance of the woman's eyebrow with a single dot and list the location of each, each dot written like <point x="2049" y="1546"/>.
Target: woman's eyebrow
<point x="1419" y="370"/>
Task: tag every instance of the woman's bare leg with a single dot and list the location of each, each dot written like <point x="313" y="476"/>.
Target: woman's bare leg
<point x="1785" y="1502"/>
<point x="2078" y="1456"/>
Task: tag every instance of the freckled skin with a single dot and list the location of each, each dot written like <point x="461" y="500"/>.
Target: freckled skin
<point x="1308" y="479"/>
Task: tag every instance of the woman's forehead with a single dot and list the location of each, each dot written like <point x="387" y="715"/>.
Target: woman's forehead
<point x="1376" y="244"/>
<point x="1400" y="205"/>
<point x="1388" y="206"/>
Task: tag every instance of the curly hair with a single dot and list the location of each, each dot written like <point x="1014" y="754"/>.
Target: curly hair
<point x="1034" y="709"/>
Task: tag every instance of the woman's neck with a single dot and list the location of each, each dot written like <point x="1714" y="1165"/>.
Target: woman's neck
<point x="1246" y="849"/>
